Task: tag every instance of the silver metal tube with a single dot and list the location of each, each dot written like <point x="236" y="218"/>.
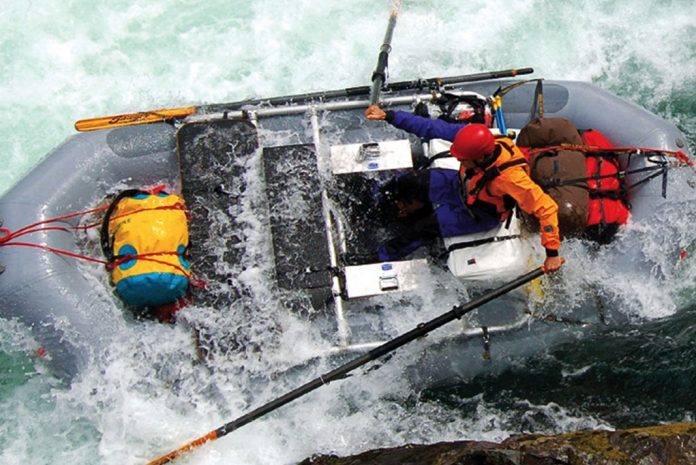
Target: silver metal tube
<point x="287" y="110"/>
<point x="465" y="334"/>
<point x="341" y="322"/>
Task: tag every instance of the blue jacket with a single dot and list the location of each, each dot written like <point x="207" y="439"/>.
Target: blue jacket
<point x="450" y="217"/>
<point x="425" y="128"/>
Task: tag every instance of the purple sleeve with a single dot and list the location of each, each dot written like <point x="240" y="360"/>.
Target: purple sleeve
<point x="425" y="128"/>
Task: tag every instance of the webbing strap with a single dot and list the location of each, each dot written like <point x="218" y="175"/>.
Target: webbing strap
<point x="437" y="156"/>
<point x="488" y="240"/>
<point x="613" y="195"/>
<point x="491" y="173"/>
<point x="618" y="175"/>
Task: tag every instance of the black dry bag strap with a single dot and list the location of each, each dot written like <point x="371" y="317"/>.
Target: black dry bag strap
<point x="477" y="242"/>
<point x="538" y="105"/>
<point x="437" y="156"/>
<point x="107" y="243"/>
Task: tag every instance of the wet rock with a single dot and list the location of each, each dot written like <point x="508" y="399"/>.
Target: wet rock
<point x="673" y="444"/>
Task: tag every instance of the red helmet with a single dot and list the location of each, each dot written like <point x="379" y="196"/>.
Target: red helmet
<point x="473" y="142"/>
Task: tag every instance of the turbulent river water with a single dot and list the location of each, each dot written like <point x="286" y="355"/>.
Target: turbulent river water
<point x="66" y="60"/>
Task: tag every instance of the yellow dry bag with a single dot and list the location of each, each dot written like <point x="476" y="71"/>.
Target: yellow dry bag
<point x="145" y="238"/>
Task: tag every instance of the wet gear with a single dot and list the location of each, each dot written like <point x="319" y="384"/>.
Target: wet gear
<point x="145" y="236"/>
<point x="585" y="183"/>
<point x="608" y="206"/>
<point x="465" y="107"/>
<point x="547" y="168"/>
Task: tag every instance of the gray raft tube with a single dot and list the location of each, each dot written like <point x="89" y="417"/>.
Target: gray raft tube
<point x="585" y="104"/>
<point x="72" y="318"/>
<point x="67" y="314"/>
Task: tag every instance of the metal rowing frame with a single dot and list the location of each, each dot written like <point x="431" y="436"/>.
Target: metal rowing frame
<point x="285" y="110"/>
<point x="331" y="219"/>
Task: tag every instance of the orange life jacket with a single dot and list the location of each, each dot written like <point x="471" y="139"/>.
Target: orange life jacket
<point x="504" y="182"/>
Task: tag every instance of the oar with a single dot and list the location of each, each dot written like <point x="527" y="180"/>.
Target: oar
<point x="379" y="75"/>
<point x="129" y="119"/>
<point x="415" y="84"/>
<point x="343" y="370"/>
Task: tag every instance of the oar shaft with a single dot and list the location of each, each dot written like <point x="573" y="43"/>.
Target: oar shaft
<point x="360" y="91"/>
<point x="343" y="370"/>
<point x="513" y="72"/>
<point x="389" y="346"/>
<point x="379" y="75"/>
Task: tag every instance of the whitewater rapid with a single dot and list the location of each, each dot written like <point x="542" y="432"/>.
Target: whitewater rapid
<point x="64" y="61"/>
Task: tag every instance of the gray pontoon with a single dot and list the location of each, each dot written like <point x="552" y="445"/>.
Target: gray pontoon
<point x="305" y="149"/>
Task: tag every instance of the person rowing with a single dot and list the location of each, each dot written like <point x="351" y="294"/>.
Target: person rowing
<point x="493" y="173"/>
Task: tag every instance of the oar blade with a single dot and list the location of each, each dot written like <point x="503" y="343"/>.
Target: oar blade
<point x="173" y="455"/>
<point x="129" y="119"/>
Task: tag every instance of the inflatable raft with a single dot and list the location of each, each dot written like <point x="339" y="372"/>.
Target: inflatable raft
<point x="311" y="155"/>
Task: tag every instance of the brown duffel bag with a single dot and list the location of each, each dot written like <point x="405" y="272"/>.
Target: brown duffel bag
<point x="572" y="199"/>
<point x="547" y="132"/>
<point x="558" y="165"/>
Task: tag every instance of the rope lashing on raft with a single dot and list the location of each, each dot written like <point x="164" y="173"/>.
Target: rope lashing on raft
<point x="9" y="238"/>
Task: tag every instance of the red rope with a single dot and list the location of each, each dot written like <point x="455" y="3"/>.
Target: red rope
<point x="8" y="237"/>
<point x="63" y="218"/>
<point x="679" y="155"/>
<point x="59" y="252"/>
<point x="33" y="228"/>
<point x="196" y="282"/>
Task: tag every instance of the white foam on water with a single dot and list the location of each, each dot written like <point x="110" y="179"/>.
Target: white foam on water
<point x="147" y="394"/>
